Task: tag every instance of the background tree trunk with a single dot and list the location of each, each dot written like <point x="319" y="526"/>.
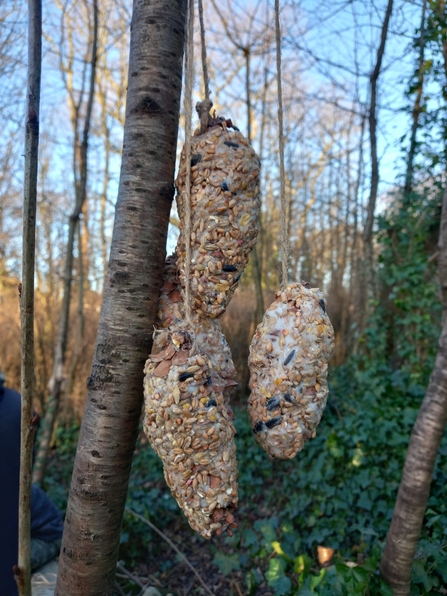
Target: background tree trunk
<point x="414" y="488"/>
<point x="110" y="425"/>
<point x="416" y="109"/>
<point x="257" y="269"/>
<point x="74" y="222"/>
<point x="367" y="233"/>
<point x="29" y="421"/>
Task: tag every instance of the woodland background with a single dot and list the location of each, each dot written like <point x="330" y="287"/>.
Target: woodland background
<point x="366" y="138"/>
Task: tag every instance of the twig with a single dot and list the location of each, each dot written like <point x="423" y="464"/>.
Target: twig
<point x="234" y="583"/>
<point x="120" y="590"/>
<point x="129" y="575"/>
<point x="433" y="257"/>
<point x="22" y="571"/>
<point x="172" y="545"/>
<point x="188" y="589"/>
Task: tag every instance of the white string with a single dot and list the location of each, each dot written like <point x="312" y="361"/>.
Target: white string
<point x="189" y="81"/>
<point x="282" y="176"/>
<point x="206" y="77"/>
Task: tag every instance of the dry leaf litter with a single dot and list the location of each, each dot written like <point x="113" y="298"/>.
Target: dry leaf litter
<point x="225" y="207"/>
<point x="288" y="365"/>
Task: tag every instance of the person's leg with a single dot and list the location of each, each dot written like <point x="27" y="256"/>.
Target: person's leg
<point x="42" y="552"/>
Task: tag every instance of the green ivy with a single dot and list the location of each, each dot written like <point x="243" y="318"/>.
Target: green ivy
<point x="338" y="492"/>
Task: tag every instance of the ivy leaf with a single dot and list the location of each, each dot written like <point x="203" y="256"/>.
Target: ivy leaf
<point x="226" y="563"/>
<point x="267" y="527"/>
<point x="277" y="578"/>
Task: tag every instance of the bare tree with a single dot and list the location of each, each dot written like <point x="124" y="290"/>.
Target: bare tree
<point x="414" y="488"/>
<point x="110" y="425"/>
<point x="29" y="422"/>
<point x="374" y="78"/>
<point x="80" y="177"/>
<point x="417" y="106"/>
<point x="247" y="42"/>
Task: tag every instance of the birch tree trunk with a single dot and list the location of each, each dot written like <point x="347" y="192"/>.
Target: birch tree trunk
<point x="115" y="386"/>
<point x="414" y="488"/>
<point x="22" y="572"/>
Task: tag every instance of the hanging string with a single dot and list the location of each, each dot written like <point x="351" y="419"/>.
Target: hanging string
<point x="203" y="108"/>
<point x="206" y="78"/>
<point x="282" y="176"/>
<point x="189" y="81"/>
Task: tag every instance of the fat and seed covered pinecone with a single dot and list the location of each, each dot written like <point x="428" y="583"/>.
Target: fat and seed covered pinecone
<point x="188" y="421"/>
<point x="225" y="208"/>
<point x="189" y="379"/>
<point x="288" y="365"/>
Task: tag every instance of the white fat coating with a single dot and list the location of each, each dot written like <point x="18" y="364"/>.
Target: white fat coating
<point x="288" y="370"/>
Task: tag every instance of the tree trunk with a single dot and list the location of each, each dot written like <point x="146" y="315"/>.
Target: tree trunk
<point x="257" y="270"/>
<point x="22" y="572"/>
<point x="367" y="233"/>
<point x="416" y="108"/>
<point x="74" y="220"/>
<point x="414" y="488"/>
<point x="115" y="386"/>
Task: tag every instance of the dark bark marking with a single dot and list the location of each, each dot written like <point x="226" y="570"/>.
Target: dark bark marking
<point x="147" y="105"/>
<point x="98" y="377"/>
<point x="121" y="275"/>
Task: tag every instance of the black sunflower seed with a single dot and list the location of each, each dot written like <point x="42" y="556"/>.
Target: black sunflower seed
<point x="195" y="159"/>
<point x="229" y="268"/>
<point x="272" y="403"/>
<point x="273" y="422"/>
<point x="258" y="427"/>
<point x="289" y="357"/>
<point x="288" y="398"/>
<point x="211" y="403"/>
<point x="323" y="305"/>
<point x="224" y="186"/>
<point x="185" y="375"/>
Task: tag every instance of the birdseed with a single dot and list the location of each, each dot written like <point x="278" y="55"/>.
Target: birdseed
<point x="171" y="312"/>
<point x="288" y="365"/>
<point x="188" y="421"/>
<point x="189" y="379"/>
<point x="225" y="208"/>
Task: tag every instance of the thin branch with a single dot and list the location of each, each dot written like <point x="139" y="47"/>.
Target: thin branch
<point x="22" y="572"/>
<point x="172" y="545"/>
<point x="129" y="575"/>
